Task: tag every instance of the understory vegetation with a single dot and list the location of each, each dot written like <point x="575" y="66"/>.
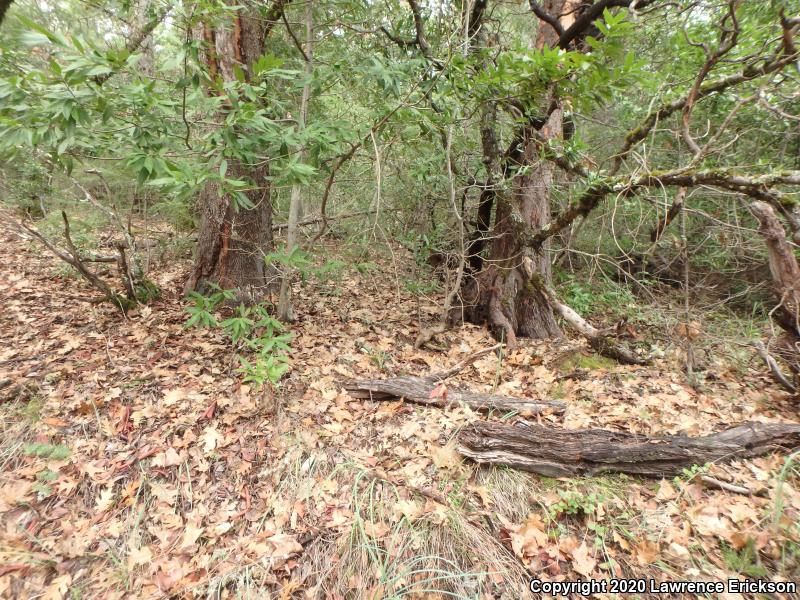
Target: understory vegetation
<point x="296" y="293"/>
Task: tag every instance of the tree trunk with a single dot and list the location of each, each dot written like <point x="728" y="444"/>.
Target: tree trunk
<point x="490" y="150"/>
<point x="232" y="243"/>
<point x="503" y="295"/>
<point x="4" y="6"/>
<point x="785" y="273"/>
<point x="285" y="312"/>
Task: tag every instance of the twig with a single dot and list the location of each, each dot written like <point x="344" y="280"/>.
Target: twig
<point x="136" y="40"/>
<point x="728" y="487"/>
<point x="427" y="334"/>
<point x="315" y="220"/>
<point x="460" y="366"/>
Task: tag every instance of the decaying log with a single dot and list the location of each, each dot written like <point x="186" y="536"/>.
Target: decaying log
<point x="557" y="452"/>
<point x="418" y="390"/>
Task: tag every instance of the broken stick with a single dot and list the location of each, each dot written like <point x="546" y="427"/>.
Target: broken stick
<point x="419" y="390"/>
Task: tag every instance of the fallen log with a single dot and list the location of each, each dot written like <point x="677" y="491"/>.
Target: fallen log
<point x="419" y="390"/>
<point x="558" y="452"/>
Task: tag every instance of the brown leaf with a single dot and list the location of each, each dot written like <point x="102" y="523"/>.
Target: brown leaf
<point x="191" y="534"/>
<point x="529" y="536"/>
<point x="284" y="545"/>
<point x="139" y="556"/>
<point x="446" y="457"/>
<point x="58" y="588"/>
<point x="645" y="552"/>
<point x="440" y="391"/>
<point x="582" y="560"/>
<point x="211" y="438"/>
<point x="406" y="508"/>
<point x="376" y="529"/>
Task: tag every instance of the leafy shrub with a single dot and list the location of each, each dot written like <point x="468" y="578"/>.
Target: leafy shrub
<point x="251" y="329"/>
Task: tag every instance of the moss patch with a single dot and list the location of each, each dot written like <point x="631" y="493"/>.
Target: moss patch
<point x="578" y="360"/>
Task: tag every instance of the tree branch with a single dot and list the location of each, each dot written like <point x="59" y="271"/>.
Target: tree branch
<point x="137" y="39"/>
<point x="758" y="187"/>
<point x="752" y="71"/>
<point x="419" y="27"/>
<point x="297" y="43"/>
<point x="546" y="17"/>
<point x="589" y="16"/>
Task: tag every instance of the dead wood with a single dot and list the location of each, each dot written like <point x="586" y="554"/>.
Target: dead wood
<point x="602" y="343"/>
<point x="418" y="390"/>
<point x="782" y="265"/>
<point x="730" y="487"/>
<point x="785" y="273"/>
<point x="72" y="257"/>
<point x="461" y="365"/>
<point x="557" y="452"/>
<point x="774" y="367"/>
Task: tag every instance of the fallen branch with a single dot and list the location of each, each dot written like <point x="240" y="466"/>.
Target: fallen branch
<point x="73" y="258"/>
<point x="419" y="390"/>
<point x="461" y="365"/>
<point x="728" y="487"/>
<point x="602" y="343"/>
<point x="774" y="368"/>
<point x="557" y="452"/>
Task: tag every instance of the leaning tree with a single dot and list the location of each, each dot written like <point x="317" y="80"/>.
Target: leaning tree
<point x="510" y="291"/>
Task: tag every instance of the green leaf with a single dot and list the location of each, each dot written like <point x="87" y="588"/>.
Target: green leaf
<point x="33" y="38"/>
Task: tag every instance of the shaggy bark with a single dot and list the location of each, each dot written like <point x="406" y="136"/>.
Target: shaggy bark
<point x="501" y="294"/>
<point x="232" y="243"/>
<point x="786" y="283"/>
<point x="783" y="267"/>
<point x="557" y="452"/>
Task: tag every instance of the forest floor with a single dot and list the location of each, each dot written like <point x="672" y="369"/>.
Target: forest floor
<point x="134" y="464"/>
